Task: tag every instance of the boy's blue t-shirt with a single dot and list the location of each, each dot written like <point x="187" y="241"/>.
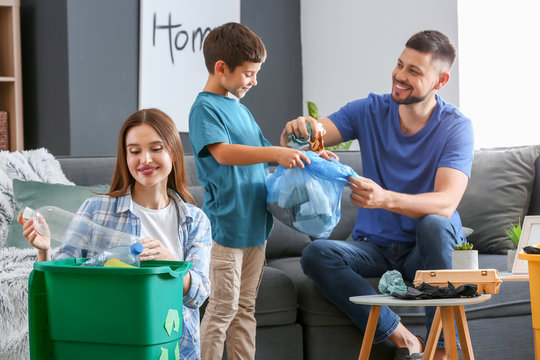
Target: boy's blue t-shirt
<point x="235" y="196"/>
<point x="405" y="164"/>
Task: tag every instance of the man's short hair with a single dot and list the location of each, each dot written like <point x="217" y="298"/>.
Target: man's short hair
<point x="434" y="42"/>
<point x="233" y="43"/>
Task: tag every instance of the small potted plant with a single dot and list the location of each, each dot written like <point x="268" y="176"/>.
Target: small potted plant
<point x="513" y="232"/>
<point x="464" y="257"/>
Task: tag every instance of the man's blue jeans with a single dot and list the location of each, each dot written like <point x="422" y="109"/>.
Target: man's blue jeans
<point x="339" y="268"/>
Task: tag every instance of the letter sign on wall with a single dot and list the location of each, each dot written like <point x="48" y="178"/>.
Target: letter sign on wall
<point x="171" y="61"/>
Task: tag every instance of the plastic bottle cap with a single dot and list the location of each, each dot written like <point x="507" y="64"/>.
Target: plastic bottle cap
<point x="137" y="248"/>
<point x="28" y="213"/>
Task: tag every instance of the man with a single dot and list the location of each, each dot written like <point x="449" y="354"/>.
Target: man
<point x="416" y="156"/>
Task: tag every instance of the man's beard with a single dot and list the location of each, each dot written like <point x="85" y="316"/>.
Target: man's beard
<point x="410" y="99"/>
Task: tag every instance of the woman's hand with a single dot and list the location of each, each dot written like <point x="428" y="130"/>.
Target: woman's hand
<point x="40" y="242"/>
<point x="155" y="250"/>
<point x="35" y="239"/>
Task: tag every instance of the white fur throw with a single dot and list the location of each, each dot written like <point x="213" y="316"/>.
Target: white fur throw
<point x="15" y="267"/>
<point x="34" y="165"/>
<point x="16" y="264"/>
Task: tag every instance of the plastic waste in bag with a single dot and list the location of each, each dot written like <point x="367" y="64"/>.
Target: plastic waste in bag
<point x="309" y="199"/>
<point x="123" y="256"/>
<point x="77" y="231"/>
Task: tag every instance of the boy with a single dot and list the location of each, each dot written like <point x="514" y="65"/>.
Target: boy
<point x="230" y="154"/>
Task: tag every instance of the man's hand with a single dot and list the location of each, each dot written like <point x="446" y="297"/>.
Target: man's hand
<point x="291" y="158"/>
<point x="367" y="194"/>
<point x="330" y="133"/>
<point x="298" y="127"/>
<point x="450" y="184"/>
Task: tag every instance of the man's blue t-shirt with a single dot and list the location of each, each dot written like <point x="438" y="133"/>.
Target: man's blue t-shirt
<point x="235" y="196"/>
<point x="404" y="164"/>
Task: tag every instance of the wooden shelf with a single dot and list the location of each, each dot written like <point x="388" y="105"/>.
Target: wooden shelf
<point x="10" y="70"/>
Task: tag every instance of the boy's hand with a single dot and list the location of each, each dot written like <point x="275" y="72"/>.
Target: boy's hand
<point x="328" y="155"/>
<point x="299" y="128"/>
<point x="35" y="239"/>
<point x="291" y="158"/>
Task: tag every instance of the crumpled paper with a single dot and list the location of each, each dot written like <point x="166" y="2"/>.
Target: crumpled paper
<point x="392" y="283"/>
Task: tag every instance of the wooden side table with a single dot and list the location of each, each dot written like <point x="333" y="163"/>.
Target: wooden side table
<point x="447" y="310"/>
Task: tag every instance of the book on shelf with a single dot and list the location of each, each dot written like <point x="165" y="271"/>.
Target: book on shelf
<point x="4" y="131"/>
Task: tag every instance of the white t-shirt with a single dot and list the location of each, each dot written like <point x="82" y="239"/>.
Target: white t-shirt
<point x="161" y="225"/>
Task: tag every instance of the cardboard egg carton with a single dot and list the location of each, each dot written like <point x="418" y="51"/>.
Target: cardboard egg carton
<point x="487" y="280"/>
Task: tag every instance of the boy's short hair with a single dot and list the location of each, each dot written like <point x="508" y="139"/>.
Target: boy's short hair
<point x="435" y="43"/>
<point x="233" y="43"/>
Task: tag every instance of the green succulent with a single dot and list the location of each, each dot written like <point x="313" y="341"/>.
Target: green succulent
<point x="514" y="232"/>
<point x="464" y="246"/>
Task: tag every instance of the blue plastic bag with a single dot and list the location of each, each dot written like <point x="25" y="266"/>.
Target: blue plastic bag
<point x="309" y="199"/>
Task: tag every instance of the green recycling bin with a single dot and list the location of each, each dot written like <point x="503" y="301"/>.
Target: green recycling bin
<point x="83" y="313"/>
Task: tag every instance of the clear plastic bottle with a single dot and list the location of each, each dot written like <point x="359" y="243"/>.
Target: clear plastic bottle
<point x="77" y="231"/>
<point x="128" y="255"/>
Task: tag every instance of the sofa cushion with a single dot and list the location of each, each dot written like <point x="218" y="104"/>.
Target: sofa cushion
<point x="276" y="299"/>
<point x="88" y="170"/>
<point x="35" y="194"/>
<point x="498" y="194"/>
<point x="285" y="241"/>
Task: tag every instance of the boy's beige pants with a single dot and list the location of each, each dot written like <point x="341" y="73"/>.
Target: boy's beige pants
<point x="235" y="275"/>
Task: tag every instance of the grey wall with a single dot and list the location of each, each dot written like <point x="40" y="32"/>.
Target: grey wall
<point x="278" y="95"/>
<point x="351" y="47"/>
<point x="103" y="57"/>
<point x="80" y="70"/>
<point x="45" y="79"/>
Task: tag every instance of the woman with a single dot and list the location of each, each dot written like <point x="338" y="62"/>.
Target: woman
<point x="149" y="197"/>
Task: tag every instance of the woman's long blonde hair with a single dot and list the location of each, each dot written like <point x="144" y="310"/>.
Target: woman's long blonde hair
<point x="168" y="133"/>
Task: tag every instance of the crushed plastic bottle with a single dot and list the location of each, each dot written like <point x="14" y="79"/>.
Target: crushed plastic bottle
<point x="125" y="254"/>
<point x="78" y="231"/>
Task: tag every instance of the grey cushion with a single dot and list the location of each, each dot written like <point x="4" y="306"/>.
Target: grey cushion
<point x="276" y="299"/>
<point x="498" y="194"/>
<point x="279" y="342"/>
<point x="285" y="241"/>
<point x="88" y="170"/>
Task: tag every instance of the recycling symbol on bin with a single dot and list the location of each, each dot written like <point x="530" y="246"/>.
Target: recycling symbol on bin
<point x="171" y="322"/>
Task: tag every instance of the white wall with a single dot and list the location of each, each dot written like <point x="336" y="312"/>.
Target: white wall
<point x="349" y="47"/>
<point x="499" y="67"/>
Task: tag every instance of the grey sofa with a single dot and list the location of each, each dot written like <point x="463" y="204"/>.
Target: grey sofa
<point x="296" y="322"/>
